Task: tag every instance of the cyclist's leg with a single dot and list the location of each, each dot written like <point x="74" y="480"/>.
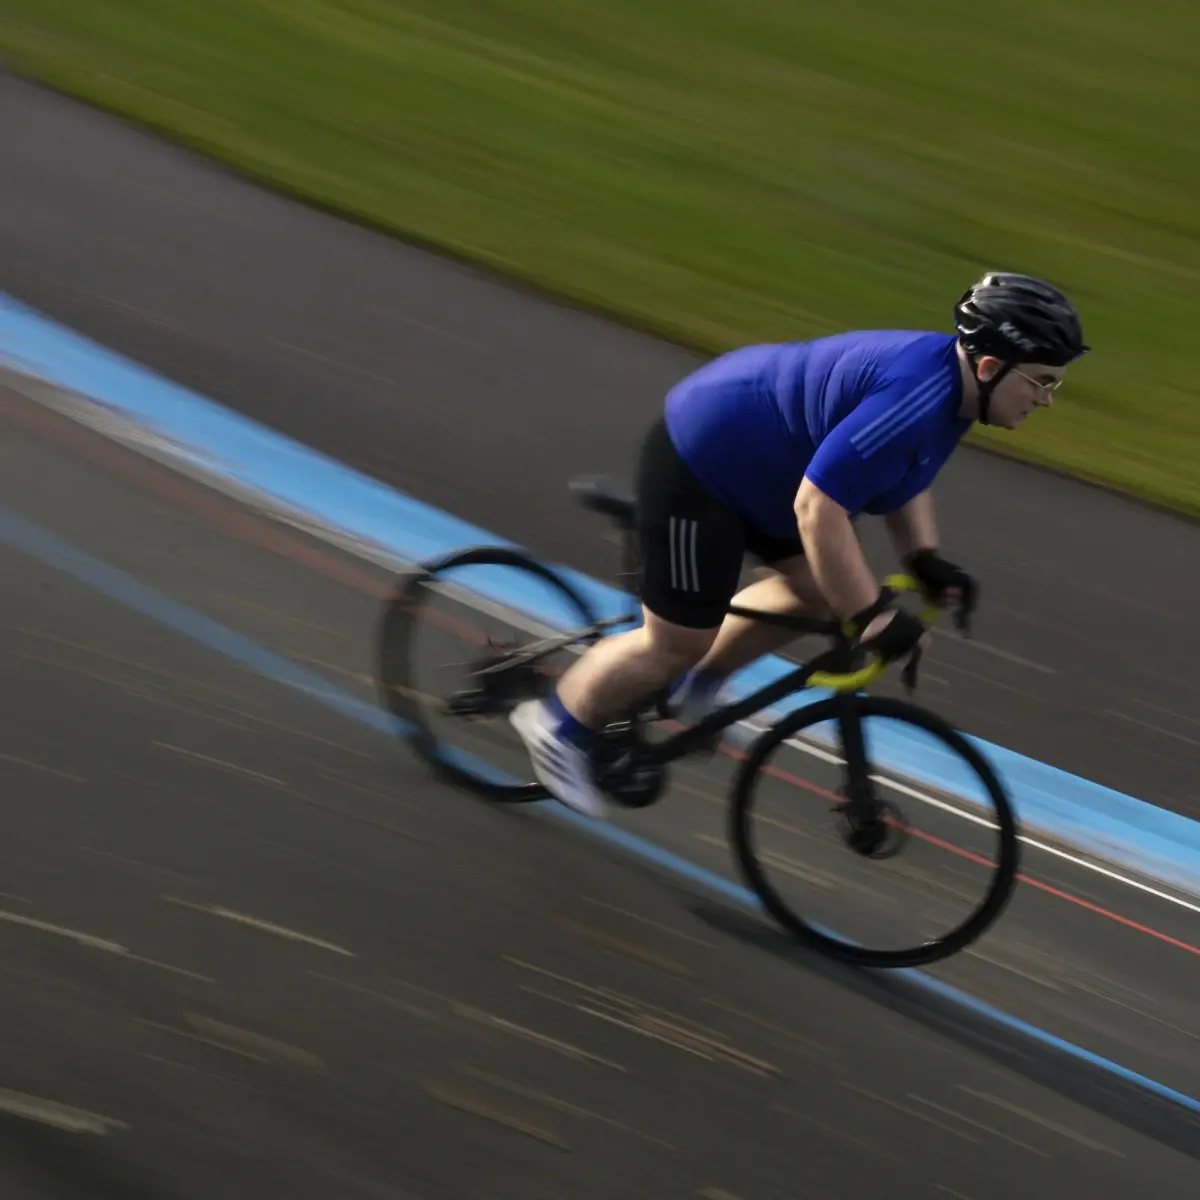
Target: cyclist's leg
<point x="611" y="678"/>
<point x="789" y="587"/>
<point x="628" y="668"/>
<point x="690" y="547"/>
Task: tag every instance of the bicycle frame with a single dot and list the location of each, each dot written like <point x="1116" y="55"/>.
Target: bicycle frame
<point x="839" y="659"/>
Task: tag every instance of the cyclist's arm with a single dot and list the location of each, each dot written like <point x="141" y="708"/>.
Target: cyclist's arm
<point x="832" y="550"/>
<point x="913" y="527"/>
<point x="866" y="455"/>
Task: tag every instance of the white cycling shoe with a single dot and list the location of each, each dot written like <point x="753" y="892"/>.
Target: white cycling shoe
<point x="561" y="767"/>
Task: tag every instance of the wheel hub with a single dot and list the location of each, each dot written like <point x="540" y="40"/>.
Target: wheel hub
<point x="879" y="832"/>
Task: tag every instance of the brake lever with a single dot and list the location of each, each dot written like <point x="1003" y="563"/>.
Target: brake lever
<point x="964" y="610"/>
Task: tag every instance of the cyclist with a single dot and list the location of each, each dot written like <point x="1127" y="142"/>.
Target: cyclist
<point x="774" y="451"/>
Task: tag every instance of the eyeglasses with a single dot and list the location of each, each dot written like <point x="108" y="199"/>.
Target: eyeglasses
<point x="1051" y="386"/>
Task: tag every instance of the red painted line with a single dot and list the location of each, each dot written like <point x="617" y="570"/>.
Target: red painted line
<point x="1061" y="895"/>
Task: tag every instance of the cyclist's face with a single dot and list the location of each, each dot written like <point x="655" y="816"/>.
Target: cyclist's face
<point x="1026" y="387"/>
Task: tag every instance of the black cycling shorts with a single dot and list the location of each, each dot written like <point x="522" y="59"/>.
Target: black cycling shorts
<point x="691" y="546"/>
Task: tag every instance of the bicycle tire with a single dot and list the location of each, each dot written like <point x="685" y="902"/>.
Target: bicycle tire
<point x="1003" y="879"/>
<point x="398" y="629"/>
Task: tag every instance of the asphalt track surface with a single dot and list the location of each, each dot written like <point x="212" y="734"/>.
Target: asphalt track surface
<point x="251" y="948"/>
<point x="485" y="401"/>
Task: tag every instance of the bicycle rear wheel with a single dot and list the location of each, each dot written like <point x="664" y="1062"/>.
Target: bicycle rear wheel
<point x="447" y="613"/>
<point x="966" y="852"/>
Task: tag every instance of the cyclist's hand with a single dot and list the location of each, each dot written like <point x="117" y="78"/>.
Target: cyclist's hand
<point x="944" y="583"/>
<point x="894" y="634"/>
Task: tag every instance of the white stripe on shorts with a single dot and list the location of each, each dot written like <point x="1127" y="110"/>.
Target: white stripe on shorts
<point x="685" y="570"/>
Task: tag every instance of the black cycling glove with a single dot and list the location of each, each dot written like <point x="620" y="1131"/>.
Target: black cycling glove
<point x="937" y="576"/>
<point x="897" y="639"/>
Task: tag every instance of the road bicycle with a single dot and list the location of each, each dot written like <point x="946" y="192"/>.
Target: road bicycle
<point x="631" y="765"/>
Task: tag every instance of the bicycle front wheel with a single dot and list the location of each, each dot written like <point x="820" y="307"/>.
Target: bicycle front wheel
<point x="909" y="874"/>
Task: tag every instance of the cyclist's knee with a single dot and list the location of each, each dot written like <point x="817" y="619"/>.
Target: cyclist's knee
<point x="675" y="648"/>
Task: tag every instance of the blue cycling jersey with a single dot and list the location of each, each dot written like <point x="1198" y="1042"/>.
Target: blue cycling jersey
<point x="870" y="417"/>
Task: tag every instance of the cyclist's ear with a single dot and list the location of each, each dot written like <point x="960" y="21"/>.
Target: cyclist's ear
<point x="988" y="367"/>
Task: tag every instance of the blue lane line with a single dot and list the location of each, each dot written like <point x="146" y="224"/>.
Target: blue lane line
<point x="1128" y="831"/>
<point x="124" y="589"/>
<point x="63" y="555"/>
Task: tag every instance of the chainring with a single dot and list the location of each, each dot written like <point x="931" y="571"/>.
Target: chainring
<point x="623" y="768"/>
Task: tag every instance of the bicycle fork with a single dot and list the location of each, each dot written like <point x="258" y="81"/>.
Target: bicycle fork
<point x="869" y="825"/>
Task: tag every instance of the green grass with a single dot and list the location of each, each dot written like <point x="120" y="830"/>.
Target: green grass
<point x="725" y="171"/>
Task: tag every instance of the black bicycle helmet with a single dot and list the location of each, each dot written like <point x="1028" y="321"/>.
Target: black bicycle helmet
<point x="1018" y="319"/>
